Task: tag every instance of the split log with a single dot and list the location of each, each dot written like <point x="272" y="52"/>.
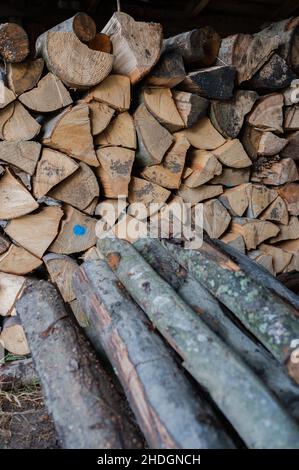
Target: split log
<point x="15" y="200"/>
<point x="24" y="76"/>
<point x="234" y="240"/>
<point x="35" y="232"/>
<point x="10" y="289"/>
<point x="183" y="328"/>
<point x="12" y="337"/>
<point x="92" y="399"/>
<point x="259" y="143"/>
<point x="79" y="190"/>
<point x="18" y="375"/>
<point x="160" y="104"/>
<point x="67" y="57"/>
<point x="17" y="124"/>
<point x="277" y="173"/>
<point x="267" y="113"/>
<point x="191" y="107"/>
<point x="61" y="269"/>
<point x="14" y="43"/>
<point x="228" y="116"/>
<point x="292" y="147"/>
<point x="168" y="174"/>
<point x="198" y="47"/>
<point x="231" y="177"/>
<point x="168" y="72"/>
<point x="257" y="306"/>
<point x="110" y="210"/>
<point x="274" y="74"/>
<point x="4" y="243"/>
<point x="290" y="194"/>
<point x="219" y="319"/>
<point x="203" y="192"/>
<point x="253" y="231"/>
<point x="147" y="193"/>
<point x="235" y="200"/>
<point x="7" y="96"/>
<point x="114" y="171"/>
<point x="100" y="116"/>
<point x="204" y="136"/>
<point x="291" y="121"/>
<point x="16" y="260"/>
<point x="259" y="198"/>
<point x="246" y="53"/>
<point x="52" y="168"/>
<point x="136" y="45"/>
<point x="151" y="362"/>
<point x="291" y="247"/>
<point x="114" y="91"/>
<point x="153" y="139"/>
<point x="204" y="166"/>
<point x="49" y="95"/>
<point x="280" y="257"/>
<point x="232" y="154"/>
<point x="22" y="154"/>
<point x="276" y="212"/>
<point x="120" y="132"/>
<point x="216" y="218"/>
<point x="77" y="233"/>
<point x="129" y="228"/>
<point x="263" y="259"/>
<point x="92" y="206"/>
<point x="70" y="132"/>
<point x="287" y="232"/>
<point x="215" y="83"/>
<point x="101" y="42"/>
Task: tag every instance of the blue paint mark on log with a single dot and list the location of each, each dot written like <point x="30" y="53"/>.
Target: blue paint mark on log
<point x="79" y="230"/>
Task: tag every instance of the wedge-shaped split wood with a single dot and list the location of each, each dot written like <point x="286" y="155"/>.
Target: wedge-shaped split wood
<point x="129" y="228"/>
<point x="17" y="124"/>
<point x="231" y="177"/>
<point x="287" y="232"/>
<point x="100" y="116"/>
<point x="235" y="200"/>
<point x="168" y="72"/>
<point x="259" y="198"/>
<point x="114" y="91"/>
<point x="115" y="169"/>
<point x="228" y="116"/>
<point x="22" y="154"/>
<point x="216" y="218"/>
<point x="70" y="132"/>
<point x="204" y="136"/>
<point x="36" y="232"/>
<point x="153" y="139"/>
<point x="79" y="189"/>
<point x="120" y="132"/>
<point x="204" y="166"/>
<point x="203" y="192"/>
<point x="235" y="240"/>
<point x="277" y="173"/>
<point x="274" y="74"/>
<point x="290" y="194"/>
<point x="49" y="95"/>
<point x="61" y="269"/>
<point x="253" y="231"/>
<point x="276" y="212"/>
<point x="14" y="42"/>
<point x="71" y="60"/>
<point x="264" y="259"/>
<point x="291" y="121"/>
<point x="267" y="113"/>
<point x="168" y="174"/>
<point x="259" y="143"/>
<point x="19" y="261"/>
<point x="292" y="148"/>
<point x="280" y="257"/>
<point x="10" y="289"/>
<point x="52" y="168"/>
<point x="7" y="96"/>
<point x="291" y="247"/>
<point x="161" y="105"/>
<point x="147" y="193"/>
<point x="136" y="45"/>
<point x="24" y="76"/>
<point x="77" y="233"/>
<point x="4" y="243"/>
<point x="232" y="154"/>
<point x="190" y="106"/>
<point x="15" y="200"/>
<point x="215" y="83"/>
<point x="12" y="337"/>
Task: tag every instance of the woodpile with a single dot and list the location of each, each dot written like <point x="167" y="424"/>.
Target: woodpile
<point x="121" y="118"/>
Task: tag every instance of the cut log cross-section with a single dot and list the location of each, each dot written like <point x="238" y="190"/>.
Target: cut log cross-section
<point x="169" y="71"/>
<point x="236" y="200"/>
<point x="13" y="338"/>
<point x="259" y="198"/>
<point x="204" y="166"/>
<point x="204" y="136"/>
<point x="10" y="288"/>
<point x="232" y="154"/>
<point x="114" y="91"/>
<point x="15" y="200"/>
<point x="115" y="169"/>
<point x="161" y="105"/>
<point x="18" y="261"/>
<point x="276" y="212"/>
<point x="212" y="83"/>
<point x="17" y="124"/>
<point x="267" y="113"/>
<point x="22" y="154"/>
<point x="100" y="115"/>
<point x="136" y="45"/>
<point x="254" y="231"/>
<point x="24" y="76"/>
<point x="190" y="106"/>
<point x="120" y="132"/>
<point x="14" y="42"/>
<point x="216" y="218"/>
